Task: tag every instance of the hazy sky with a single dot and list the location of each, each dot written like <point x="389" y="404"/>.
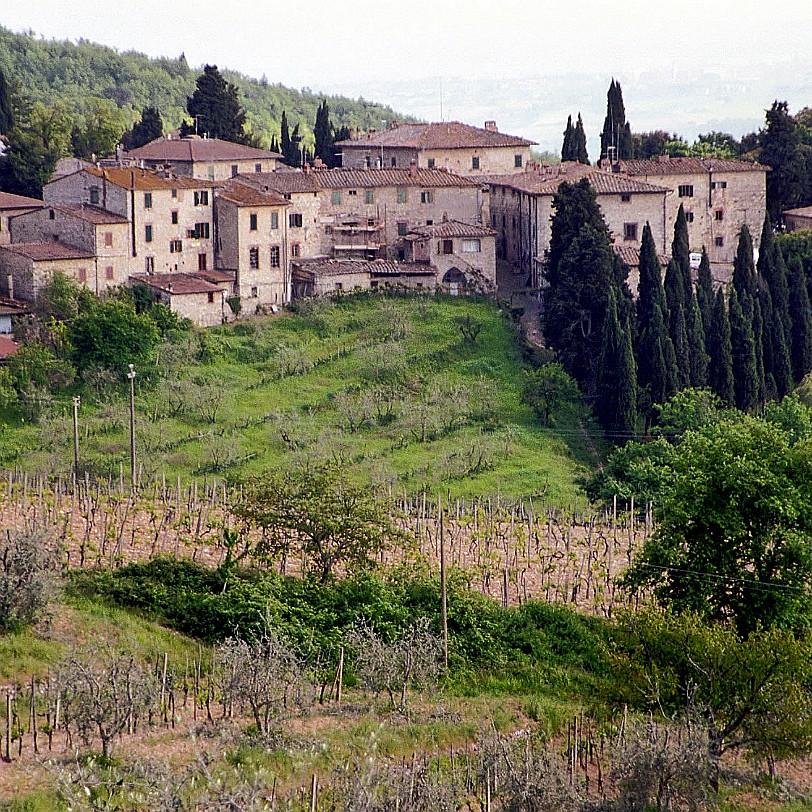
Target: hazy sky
<point x="320" y="43"/>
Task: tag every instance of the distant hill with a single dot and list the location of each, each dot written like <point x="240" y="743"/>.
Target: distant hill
<point x="50" y="70"/>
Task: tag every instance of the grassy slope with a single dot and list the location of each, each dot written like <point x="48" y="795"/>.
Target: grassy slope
<point x="264" y="420"/>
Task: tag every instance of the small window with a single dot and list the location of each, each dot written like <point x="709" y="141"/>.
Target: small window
<point x="689" y="216"/>
<point x="517" y="161"/>
<point x="336" y="197"/>
<point x="253" y="258"/>
<point x="369" y="197"/>
<point x="235" y="170"/>
<point x="719" y="184"/>
<point x="202" y="198"/>
<point x="295" y="219"/>
<point x="254" y="292"/>
<point x="625" y="198"/>
<point x="211" y="297"/>
<point x="719" y="241"/>
<point x="276" y="256"/>
<point x="147" y="200"/>
<point x="108" y="272"/>
<point x="174" y="218"/>
<point x="685" y="190"/>
<point x="719" y="215"/>
<point x="51" y="214"/>
<point x="475" y="162"/>
<point x="202" y="231"/>
<point x="149" y="264"/>
<point x="328" y="230"/>
<point x="82" y="274"/>
<point x="339" y="286"/>
<point x="630" y="231"/>
<point x="175" y="246"/>
<point x="202" y="262"/>
<point x="425" y="196"/>
<point x="148" y="233"/>
<point x="295" y="249"/>
<point x="401" y="195"/>
<point x="94" y="195"/>
<point x="445" y="247"/>
<point x="471" y="246"/>
<point x="394" y="161"/>
<point x="429" y="222"/>
<point x="352" y="192"/>
<point x="174" y="194"/>
<point x="252" y="219"/>
<point x="430" y="163"/>
<point x="257" y="168"/>
<point x="274" y="220"/>
<point x="401" y="229"/>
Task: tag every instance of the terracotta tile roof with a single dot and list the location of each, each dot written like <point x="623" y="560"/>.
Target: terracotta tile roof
<point x="439" y="135"/>
<point x="46" y="251"/>
<point x="131" y="178"/>
<point x="345" y="178"/>
<point x="451" y="228"/>
<point x="216" y="277"/>
<point x="195" y="149"/>
<point x="8" y="347"/>
<point x="546" y="180"/>
<point x="91" y="214"/>
<point x="804" y="211"/>
<point x="688" y="166"/>
<point x="178" y="283"/>
<point x="241" y="194"/>
<point x="631" y="255"/>
<point x="283" y="182"/>
<point x="376" y="267"/>
<point x="10" y="201"/>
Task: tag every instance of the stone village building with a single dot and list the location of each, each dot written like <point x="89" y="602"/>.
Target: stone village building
<point x="450" y="145"/>
<point x="10" y="206"/>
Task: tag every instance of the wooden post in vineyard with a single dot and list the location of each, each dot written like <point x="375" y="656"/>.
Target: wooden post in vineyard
<point x="443" y="585"/>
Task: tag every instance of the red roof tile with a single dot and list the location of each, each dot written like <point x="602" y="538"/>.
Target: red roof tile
<point x="664" y="165"/>
<point x="8" y="347"/>
<point x="439" y="135"/>
<point x="376" y="267"/>
<point x="195" y="149"/>
<point x="10" y="201"/>
<point x="177" y="283"/>
<point x="546" y="180"/>
<point x="804" y="211"/>
<point x="345" y="178"/>
<point x="131" y="178"/>
<point x="451" y="228"/>
<point x="631" y="255"/>
<point x="46" y="251"/>
<point x="241" y="194"/>
<point x="91" y="214"/>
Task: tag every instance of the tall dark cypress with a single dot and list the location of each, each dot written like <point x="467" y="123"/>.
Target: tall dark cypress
<point x="764" y="244"/>
<point x="704" y="292"/>
<point x="6" y="107"/>
<point x="743" y="354"/>
<point x="801" y="350"/>
<point x="568" y="147"/>
<point x="616" y="136"/>
<point x="323" y="134"/>
<point x="696" y="345"/>
<point x="720" y="365"/>
<point x="681" y="252"/>
<point x="616" y="390"/>
<point x="675" y="298"/>
<point x="579" y="141"/>
<point x="284" y="140"/>
<point x="744" y="270"/>
<point x="751" y="307"/>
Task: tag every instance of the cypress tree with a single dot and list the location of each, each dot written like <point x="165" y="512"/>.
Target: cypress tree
<point x="720" y="365"/>
<point x="801" y="334"/>
<point x="743" y="355"/>
<point x="778" y="340"/>
<point x="681" y="251"/>
<point x="616" y="388"/>
<point x="764" y="244"/>
<point x="696" y="345"/>
<point x="150" y="127"/>
<point x="675" y="299"/>
<point x="568" y="147"/>
<point x="579" y="141"/>
<point x="704" y="292"/>
<point x="616" y="133"/>
<point x="751" y="307"/>
<point x="324" y="136"/>
<point x="285" y="142"/>
<point x="744" y="271"/>
<point x="216" y="104"/>
<point x="6" y="108"/>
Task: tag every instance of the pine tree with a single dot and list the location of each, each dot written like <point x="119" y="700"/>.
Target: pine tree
<point x="6" y="108"/>
<point x="781" y="150"/>
<point x="743" y="355"/>
<point x="616" y="136"/>
<point x="215" y="108"/>
<point x="744" y="271"/>
<point x="567" y="148"/>
<point x="579" y="140"/>
<point x="675" y="300"/>
<point x="704" y="291"/>
<point x="616" y="393"/>
<point x="801" y="334"/>
<point x="720" y="366"/>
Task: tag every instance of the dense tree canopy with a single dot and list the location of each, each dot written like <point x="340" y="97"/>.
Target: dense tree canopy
<point x="215" y="108"/>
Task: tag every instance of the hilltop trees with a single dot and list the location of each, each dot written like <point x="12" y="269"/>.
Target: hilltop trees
<point x="148" y="128"/>
<point x="574" y="146"/>
<point x="616" y="136"/>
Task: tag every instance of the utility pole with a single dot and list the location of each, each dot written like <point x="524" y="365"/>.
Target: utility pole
<point x="131" y="376"/>
<point x="76" y="401"/>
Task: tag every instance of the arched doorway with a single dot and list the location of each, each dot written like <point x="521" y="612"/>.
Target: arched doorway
<point x="454" y="280"/>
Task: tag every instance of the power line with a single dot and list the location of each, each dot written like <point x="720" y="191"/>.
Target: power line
<point x="708" y="576"/>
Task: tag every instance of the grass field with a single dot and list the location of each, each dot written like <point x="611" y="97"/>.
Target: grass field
<point x="388" y="387"/>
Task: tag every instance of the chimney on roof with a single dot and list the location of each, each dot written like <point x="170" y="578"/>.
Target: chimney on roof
<point x="662" y="158"/>
<point x="445" y="216"/>
<point x="306" y="168"/>
<point x="490" y="126"/>
<point x="393" y="125"/>
<point x="413" y="167"/>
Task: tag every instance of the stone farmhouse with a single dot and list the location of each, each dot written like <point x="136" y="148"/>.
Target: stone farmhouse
<point x="25" y="268"/>
<point x="191" y="296"/>
<point x="459" y="148"/>
<point x="719" y="197"/>
<point x="324" y="276"/>
<point x="201" y="157"/>
<point x="798" y="219"/>
<point x="521" y="211"/>
<point x="10" y="206"/>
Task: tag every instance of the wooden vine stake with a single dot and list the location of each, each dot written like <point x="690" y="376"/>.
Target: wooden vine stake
<point x="443" y="586"/>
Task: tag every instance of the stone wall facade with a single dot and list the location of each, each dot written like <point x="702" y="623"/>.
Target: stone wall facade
<point x="23" y="278"/>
